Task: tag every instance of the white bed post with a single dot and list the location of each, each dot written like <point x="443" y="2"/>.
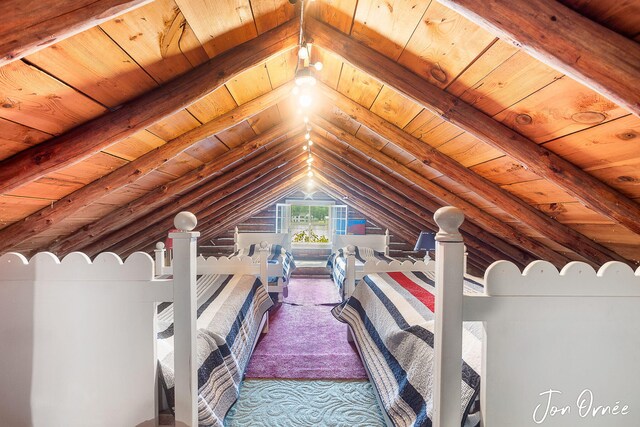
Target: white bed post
<point x="448" y="321"/>
<point x="387" y="241"/>
<point x="184" y="320"/>
<point x="263" y="250"/>
<point x="350" y="279"/>
<point x="235" y="240"/>
<point x="160" y="256"/>
<point x="466" y="259"/>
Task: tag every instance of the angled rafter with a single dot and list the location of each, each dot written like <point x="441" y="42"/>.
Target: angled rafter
<point x="586" y="188"/>
<point x="31" y="25"/>
<point x="475" y="214"/>
<point x="401" y="208"/>
<point x="142" y="112"/>
<point x="421" y="207"/>
<point x="220" y="186"/>
<point x="600" y="58"/>
<point x="141" y="237"/>
<point x="136" y="169"/>
<point x="509" y="203"/>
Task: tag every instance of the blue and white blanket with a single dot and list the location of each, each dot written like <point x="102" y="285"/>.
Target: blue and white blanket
<point x="391" y="316"/>
<point x="337" y="263"/>
<point x="230" y="309"/>
<point x="288" y="265"/>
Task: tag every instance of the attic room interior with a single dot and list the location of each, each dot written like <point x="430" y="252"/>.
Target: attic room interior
<point x="308" y="212"/>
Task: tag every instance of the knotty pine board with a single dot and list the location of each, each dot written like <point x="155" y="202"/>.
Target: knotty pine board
<point x="135" y="146"/>
<point x="111" y="77"/>
<point x="394" y="107"/>
<point x="35" y="99"/>
<point x="396" y="20"/>
<point x="213" y="105"/>
<point x="16" y="137"/>
<point x="358" y="85"/>
<point x="560" y="108"/>
<point x="443" y="45"/>
<point x="268" y="14"/>
<point x="219" y="25"/>
<point x="265" y="119"/>
<point x="174" y="125"/>
<point x="250" y="84"/>
<point x="151" y="35"/>
<point x="282" y="68"/>
<point x="337" y="13"/>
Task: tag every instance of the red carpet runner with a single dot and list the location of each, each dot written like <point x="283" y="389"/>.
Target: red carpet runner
<point x="304" y="340"/>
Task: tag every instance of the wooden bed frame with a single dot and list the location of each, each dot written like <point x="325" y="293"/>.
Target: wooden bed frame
<point x="377" y="242"/>
<point x="59" y="320"/>
<point x="244" y="240"/>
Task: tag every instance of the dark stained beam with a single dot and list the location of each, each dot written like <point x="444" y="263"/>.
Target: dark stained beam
<point x="420" y="210"/>
<point x="486" y="189"/>
<point x="31" y="25"/>
<point x="151" y="201"/>
<point x="141" y="236"/>
<point x="583" y="186"/>
<point x="196" y="200"/>
<point x="473" y="213"/>
<point x="89" y="138"/>
<point x="601" y="59"/>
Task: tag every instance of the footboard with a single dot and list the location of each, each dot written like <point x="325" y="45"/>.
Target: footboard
<point x="560" y="348"/>
<point x="65" y="359"/>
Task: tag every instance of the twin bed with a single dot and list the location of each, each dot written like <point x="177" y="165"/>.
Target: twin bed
<point x="551" y="348"/>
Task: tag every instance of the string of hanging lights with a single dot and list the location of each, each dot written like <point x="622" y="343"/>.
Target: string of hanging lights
<point x="305" y="81"/>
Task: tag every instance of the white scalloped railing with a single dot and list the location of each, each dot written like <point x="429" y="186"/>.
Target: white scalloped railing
<point x="576" y="278"/>
<point x="76" y="266"/>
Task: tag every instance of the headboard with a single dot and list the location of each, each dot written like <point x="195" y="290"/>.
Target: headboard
<point x="243" y="240"/>
<point x="378" y="242"/>
<point x="559" y="348"/>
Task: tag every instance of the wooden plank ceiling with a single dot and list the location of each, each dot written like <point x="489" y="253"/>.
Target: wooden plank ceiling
<point x="115" y="117"/>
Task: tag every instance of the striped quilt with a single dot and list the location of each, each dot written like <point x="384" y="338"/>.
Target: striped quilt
<point x="391" y="316"/>
<point x="288" y="265"/>
<point x="337" y="263"/>
<point x="230" y="309"/>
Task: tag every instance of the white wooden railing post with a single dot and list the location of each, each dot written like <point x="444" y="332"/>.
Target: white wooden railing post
<point x="184" y="320"/>
<point x="350" y="277"/>
<point x="466" y="259"/>
<point x="263" y="251"/>
<point x="448" y="321"/>
<point x="160" y="256"/>
<point x="387" y="241"/>
<point x="235" y="240"/>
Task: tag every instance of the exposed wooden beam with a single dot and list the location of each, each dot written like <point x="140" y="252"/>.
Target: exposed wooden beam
<point x="142" y="112"/>
<point x="583" y="186"/>
<point x="420" y="208"/>
<point x="194" y="200"/>
<point x="473" y="213"/>
<point x="136" y="169"/>
<point x="202" y="208"/>
<point x="509" y="203"/>
<point x="199" y="183"/>
<point x="596" y="56"/>
<point x="368" y="201"/>
<point x="31" y="25"/>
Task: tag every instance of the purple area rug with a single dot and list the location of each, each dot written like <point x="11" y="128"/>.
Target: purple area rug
<point x="304" y="340"/>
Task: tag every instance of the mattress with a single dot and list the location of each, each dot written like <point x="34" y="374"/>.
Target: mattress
<point x="391" y="317"/>
<point x="230" y="310"/>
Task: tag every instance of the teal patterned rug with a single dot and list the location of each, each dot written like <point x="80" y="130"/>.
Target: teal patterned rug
<point x="301" y="403"/>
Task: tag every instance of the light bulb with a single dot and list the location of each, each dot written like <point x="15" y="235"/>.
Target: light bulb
<point x="305" y="100"/>
<point x="310" y="143"/>
<point x="304" y="148"/>
<point x="310" y="159"/>
<point x="318" y="66"/>
<point x="307" y="136"/>
<point x="303" y="53"/>
<point x="309" y="174"/>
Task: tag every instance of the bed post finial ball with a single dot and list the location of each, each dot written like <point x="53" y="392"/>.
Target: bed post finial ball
<point x="351" y="248"/>
<point x="160" y="245"/>
<point x="185" y="221"/>
<point x="449" y="219"/>
<point x="263" y="245"/>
